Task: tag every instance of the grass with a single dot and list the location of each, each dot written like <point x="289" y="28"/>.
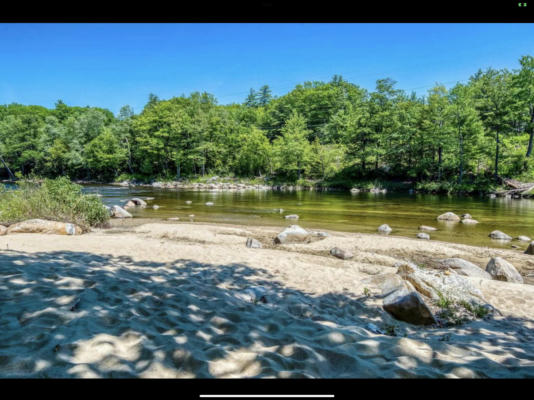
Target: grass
<point x="54" y="199"/>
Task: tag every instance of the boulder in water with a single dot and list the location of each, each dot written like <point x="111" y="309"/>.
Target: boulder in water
<point x="188" y="202"/>
<point x="119" y="212"/>
<point x="424" y="236"/>
<point x="292" y="216"/>
<point x="427" y="228"/>
<point x="502" y="270"/>
<point x="45" y="226"/>
<point x="469" y="221"/>
<point x="292" y="234"/>
<point x="467" y="216"/>
<point x="524" y="238"/>
<point x="343" y="254"/>
<point x="138" y="202"/>
<point x="449" y="216"/>
<point x="129" y="204"/>
<point x="209" y="203"/>
<point x="498" y="235"/>
<point x="384" y="228"/>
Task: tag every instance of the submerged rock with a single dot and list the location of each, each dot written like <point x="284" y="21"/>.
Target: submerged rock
<point x="502" y="270"/>
<point x="465" y="268"/>
<point x="119" y="212"/>
<point x="45" y="226"/>
<point x="427" y="228"/>
<point x="424" y="236"/>
<point x="155" y="206"/>
<point x="292" y="216"/>
<point x="384" y="228"/>
<point x="498" y="235"/>
<point x="449" y="216"/>
<point x="469" y="221"/>
<point x="339" y="253"/>
<point x="253" y="243"/>
<point x="292" y="234"/>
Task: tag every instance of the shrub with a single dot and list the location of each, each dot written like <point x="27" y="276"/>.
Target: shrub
<point x="53" y="199"/>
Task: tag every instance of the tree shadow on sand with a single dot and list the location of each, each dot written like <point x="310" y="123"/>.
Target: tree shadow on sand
<point x="76" y="314"/>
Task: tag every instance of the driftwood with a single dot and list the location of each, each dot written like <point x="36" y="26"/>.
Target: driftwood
<point x="516" y="187"/>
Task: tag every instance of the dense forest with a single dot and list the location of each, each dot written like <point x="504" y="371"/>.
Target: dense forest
<point x="335" y="133"/>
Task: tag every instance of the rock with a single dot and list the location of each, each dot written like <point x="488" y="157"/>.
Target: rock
<point x="465" y="268"/>
<point x="385" y="228"/>
<point x="492" y="195"/>
<point x="149" y="198"/>
<point x="209" y="203"/>
<point x="188" y="202"/>
<point x="173" y="219"/>
<point x="502" y="270"/>
<point x="3" y="230"/>
<point x="524" y="238"/>
<point x="321" y="234"/>
<point x="355" y="190"/>
<point x="449" y="216"/>
<point x="191" y="216"/>
<point x="427" y="228"/>
<point x="530" y="248"/>
<point x="405" y="304"/>
<point x="108" y="209"/>
<point x="44" y="226"/>
<point x="424" y="236"/>
<point x="138" y="202"/>
<point x="467" y="216"/>
<point x="498" y="235"/>
<point x="469" y="221"/>
<point x="119" y="212"/>
<point x="339" y="253"/>
<point x="253" y="243"/>
<point x="292" y="216"/>
<point x="292" y="234"/>
<point x="129" y="204"/>
<point x="155" y="206"/>
<point x="435" y="284"/>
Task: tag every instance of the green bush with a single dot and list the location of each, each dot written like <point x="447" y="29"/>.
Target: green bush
<point x="53" y="199"/>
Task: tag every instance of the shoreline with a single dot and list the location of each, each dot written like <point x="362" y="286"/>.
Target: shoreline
<point x="165" y="300"/>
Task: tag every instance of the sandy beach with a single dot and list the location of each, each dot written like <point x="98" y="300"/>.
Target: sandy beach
<point x="156" y="299"/>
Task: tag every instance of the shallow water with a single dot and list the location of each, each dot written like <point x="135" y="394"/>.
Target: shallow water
<point x="362" y="212"/>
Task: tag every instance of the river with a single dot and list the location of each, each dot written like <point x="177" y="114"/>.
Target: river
<point x="362" y="212"/>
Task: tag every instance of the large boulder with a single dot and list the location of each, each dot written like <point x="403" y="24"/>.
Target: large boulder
<point x="45" y="226"/>
<point x="437" y="285"/>
<point x="293" y="234"/>
<point x="498" y="235"/>
<point x="339" y="253"/>
<point x="384" y="228"/>
<point x="465" y="268"/>
<point x="502" y="270"/>
<point x="3" y="230"/>
<point x="405" y="304"/>
<point x="138" y="202"/>
<point x="119" y="212"/>
<point x="449" y="216"/>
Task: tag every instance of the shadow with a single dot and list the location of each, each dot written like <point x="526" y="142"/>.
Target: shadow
<point x="76" y="314"/>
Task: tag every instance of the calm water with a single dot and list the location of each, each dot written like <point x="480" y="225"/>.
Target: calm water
<point x="362" y="212"/>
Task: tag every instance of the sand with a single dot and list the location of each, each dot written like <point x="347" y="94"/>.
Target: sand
<point x="185" y="300"/>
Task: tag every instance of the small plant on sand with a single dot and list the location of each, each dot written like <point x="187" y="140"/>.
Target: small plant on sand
<point x="366" y="292"/>
<point x="53" y="199"/>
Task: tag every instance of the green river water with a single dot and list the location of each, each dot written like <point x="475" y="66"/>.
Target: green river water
<point x="362" y="212"/>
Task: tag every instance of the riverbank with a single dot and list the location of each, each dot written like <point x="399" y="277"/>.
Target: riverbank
<point x="169" y="299"/>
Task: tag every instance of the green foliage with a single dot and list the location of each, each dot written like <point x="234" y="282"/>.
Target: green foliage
<point x="53" y="199"/>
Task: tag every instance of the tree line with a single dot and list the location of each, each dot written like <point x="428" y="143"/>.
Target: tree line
<point x="467" y="137"/>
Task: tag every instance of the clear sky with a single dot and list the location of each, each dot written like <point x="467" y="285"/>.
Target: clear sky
<point x="111" y="65"/>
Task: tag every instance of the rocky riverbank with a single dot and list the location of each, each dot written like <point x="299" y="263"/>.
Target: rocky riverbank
<point x="181" y="299"/>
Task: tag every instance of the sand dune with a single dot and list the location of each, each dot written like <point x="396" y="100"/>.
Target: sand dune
<point x="186" y="300"/>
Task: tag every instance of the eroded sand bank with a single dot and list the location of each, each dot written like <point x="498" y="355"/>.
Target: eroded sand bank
<point x="173" y="300"/>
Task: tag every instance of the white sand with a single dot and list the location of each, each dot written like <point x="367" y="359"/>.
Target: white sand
<point x="172" y="300"/>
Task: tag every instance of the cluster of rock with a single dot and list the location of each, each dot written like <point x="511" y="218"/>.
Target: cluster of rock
<point x="121" y="212"/>
<point x="372" y="190"/>
<point x="41" y="226"/>
<point x="452" y="217"/>
<point x="413" y="295"/>
<point x="214" y="186"/>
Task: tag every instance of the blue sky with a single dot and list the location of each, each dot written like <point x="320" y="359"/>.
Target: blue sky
<point x="111" y="65"/>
